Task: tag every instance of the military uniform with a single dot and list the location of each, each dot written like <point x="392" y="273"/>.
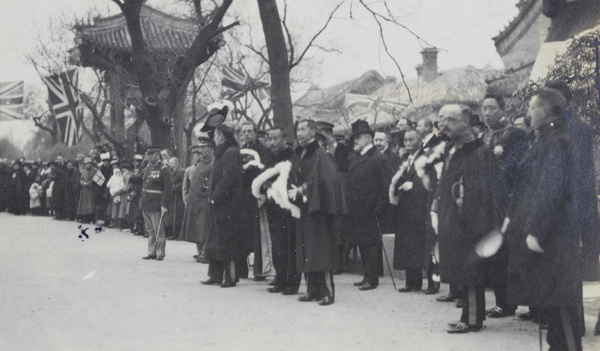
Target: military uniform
<point x="156" y="193"/>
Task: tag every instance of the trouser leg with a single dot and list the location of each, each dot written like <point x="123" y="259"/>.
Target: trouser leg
<point x="229" y="271"/>
<point x="199" y="248"/>
<point x="322" y="283"/>
<point x="473" y="310"/>
<point x="312" y="284"/>
<point x="216" y="269"/>
<point x="564" y="330"/>
<point x="156" y="235"/>
<point x="455" y="290"/>
<point x="431" y="270"/>
<point x="368" y="254"/>
<point x="414" y="278"/>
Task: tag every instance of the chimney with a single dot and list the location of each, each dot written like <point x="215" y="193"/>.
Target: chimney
<point x="429" y="69"/>
<point x="419" y="69"/>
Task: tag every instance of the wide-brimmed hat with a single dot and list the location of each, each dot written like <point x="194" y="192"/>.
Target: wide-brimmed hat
<point x="205" y="141"/>
<point x="215" y="118"/>
<point x="360" y="127"/>
<point x="87" y="160"/>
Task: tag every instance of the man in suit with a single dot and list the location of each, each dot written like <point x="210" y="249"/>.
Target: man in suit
<point x="465" y="205"/>
<point x="508" y="144"/>
<point x="318" y="193"/>
<point x="367" y="182"/>
<point x="412" y="212"/>
<point x="381" y="140"/>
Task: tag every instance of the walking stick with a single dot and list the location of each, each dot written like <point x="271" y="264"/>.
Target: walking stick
<point x="162" y="214"/>
<point x="384" y="252"/>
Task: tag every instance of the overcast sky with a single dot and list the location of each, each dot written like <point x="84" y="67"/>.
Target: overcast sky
<point x="461" y="29"/>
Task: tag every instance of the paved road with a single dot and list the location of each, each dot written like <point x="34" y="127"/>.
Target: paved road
<point x="52" y="301"/>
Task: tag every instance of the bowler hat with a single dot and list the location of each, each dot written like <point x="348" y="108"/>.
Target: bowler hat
<point x="360" y="127"/>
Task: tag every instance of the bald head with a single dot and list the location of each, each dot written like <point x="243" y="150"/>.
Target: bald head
<point x="455" y="120"/>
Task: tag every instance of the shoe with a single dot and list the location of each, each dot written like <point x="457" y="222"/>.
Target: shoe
<point x="462" y="328"/>
<point x="196" y="256"/>
<point x="146" y="236"/>
<point x="227" y="285"/>
<point x="204" y="260"/>
<point x="160" y="258"/>
<point x="149" y="257"/>
<point x="308" y="298"/>
<point x="499" y="312"/>
<point x="367" y="286"/>
<point x="326" y="301"/>
<point x="258" y="278"/>
<point x="360" y="283"/>
<point x="290" y="292"/>
<point x="274" y="282"/>
<point x="453" y="324"/>
<point x="276" y="289"/>
<point x="460" y="303"/>
<point x="447" y="298"/>
<point x="408" y="289"/>
<point x="527" y="316"/>
<point x="210" y="281"/>
<point x="432" y="291"/>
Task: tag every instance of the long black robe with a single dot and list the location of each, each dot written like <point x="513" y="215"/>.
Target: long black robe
<point x="19" y="193"/>
<point x="462" y="226"/>
<point x="224" y="234"/>
<point x="552" y="278"/>
<point x="318" y="229"/>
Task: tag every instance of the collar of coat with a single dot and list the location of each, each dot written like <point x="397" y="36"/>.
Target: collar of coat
<point x="310" y="148"/>
<point x="220" y="149"/>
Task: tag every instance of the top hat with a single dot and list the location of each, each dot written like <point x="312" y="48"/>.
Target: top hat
<point x="360" y="127"/>
<point x="215" y="118"/>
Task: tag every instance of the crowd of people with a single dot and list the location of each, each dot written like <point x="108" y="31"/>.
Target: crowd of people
<point x="475" y="201"/>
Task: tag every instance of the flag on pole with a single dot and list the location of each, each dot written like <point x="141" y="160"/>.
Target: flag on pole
<point x="11" y="100"/>
<point x="98" y="178"/>
<point x="234" y="79"/>
<point x="65" y="104"/>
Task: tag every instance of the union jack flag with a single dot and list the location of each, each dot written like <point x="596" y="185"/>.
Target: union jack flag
<point x="65" y="105"/>
<point x="234" y="79"/>
<point x="11" y="100"/>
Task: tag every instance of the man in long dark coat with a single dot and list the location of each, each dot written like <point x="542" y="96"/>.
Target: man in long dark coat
<point x="319" y="195"/>
<point x="196" y="219"/>
<point x="225" y="197"/>
<point x="72" y="179"/>
<point x="18" y="201"/>
<point x="412" y="214"/>
<point x="544" y="263"/>
<point x="466" y="208"/>
<point x="367" y="186"/>
<point x="508" y="144"/>
<point x="174" y="218"/>
<point x="282" y="225"/>
<point x="59" y="188"/>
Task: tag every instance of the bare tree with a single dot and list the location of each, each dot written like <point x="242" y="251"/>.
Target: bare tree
<point x="162" y="99"/>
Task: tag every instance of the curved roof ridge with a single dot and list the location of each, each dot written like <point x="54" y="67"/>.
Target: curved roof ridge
<point x="524" y="7"/>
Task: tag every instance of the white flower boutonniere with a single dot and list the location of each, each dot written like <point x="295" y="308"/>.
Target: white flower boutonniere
<point x="498" y="150"/>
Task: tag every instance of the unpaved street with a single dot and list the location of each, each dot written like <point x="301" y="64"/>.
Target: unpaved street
<point x="53" y="300"/>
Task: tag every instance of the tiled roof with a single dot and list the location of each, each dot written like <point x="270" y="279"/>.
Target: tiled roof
<point x="524" y="7"/>
<point x="466" y="85"/>
<point x="160" y="30"/>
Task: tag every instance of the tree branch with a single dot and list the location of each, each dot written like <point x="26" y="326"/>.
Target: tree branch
<point x="295" y="63"/>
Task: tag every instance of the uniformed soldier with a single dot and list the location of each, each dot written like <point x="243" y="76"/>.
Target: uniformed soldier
<point x="156" y="198"/>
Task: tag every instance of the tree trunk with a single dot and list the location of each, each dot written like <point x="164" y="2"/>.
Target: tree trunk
<point x="279" y="66"/>
<point x="179" y="139"/>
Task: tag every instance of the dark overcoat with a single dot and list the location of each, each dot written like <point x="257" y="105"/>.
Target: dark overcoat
<point x="177" y="208"/>
<point x="72" y="187"/>
<point x="367" y="184"/>
<point x="466" y="215"/>
<point x="59" y="189"/>
<point x="318" y="229"/>
<point x="412" y="213"/>
<point x="196" y="219"/>
<point x="552" y="278"/>
<point x="225" y="189"/>
<point x="18" y="202"/>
